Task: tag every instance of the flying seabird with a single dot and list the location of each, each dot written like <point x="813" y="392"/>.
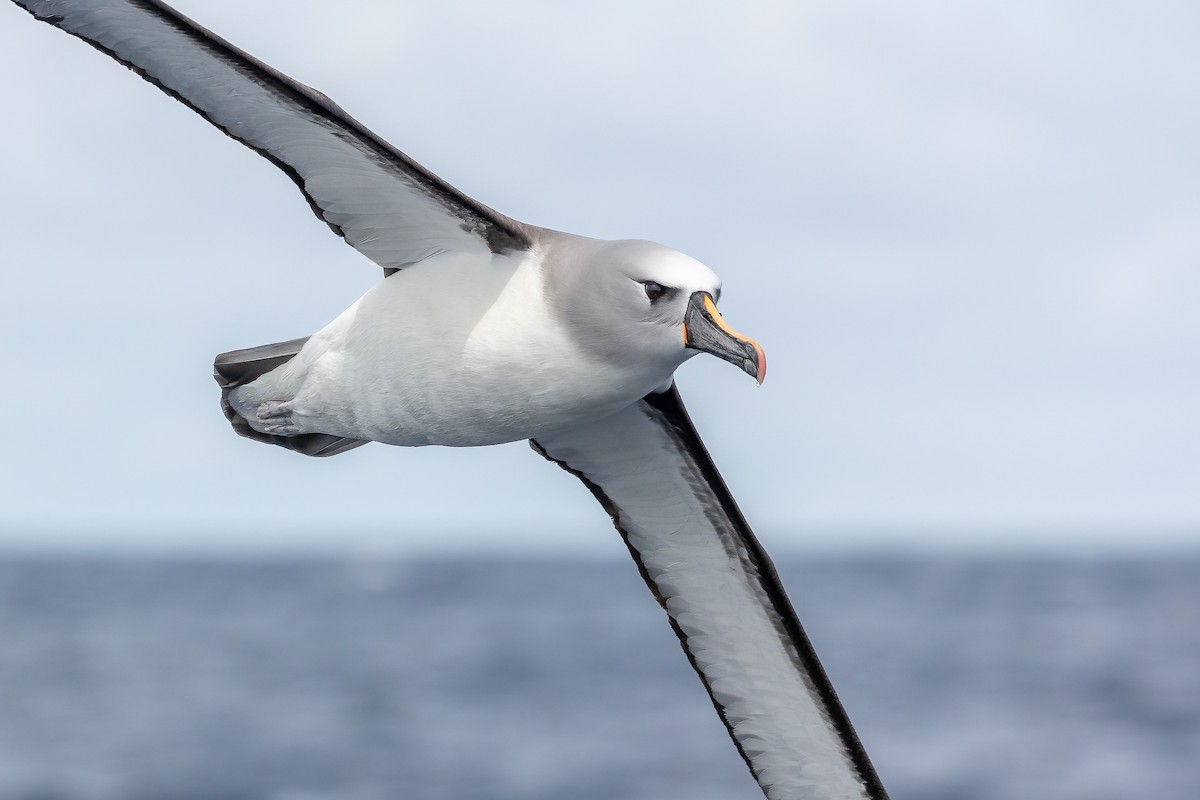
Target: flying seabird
<point x="488" y="330"/>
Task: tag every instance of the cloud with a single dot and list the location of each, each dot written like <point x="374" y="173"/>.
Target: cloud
<point x="1148" y="280"/>
<point x="966" y="235"/>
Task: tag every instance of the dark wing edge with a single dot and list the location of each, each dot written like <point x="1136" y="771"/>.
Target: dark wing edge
<point x="675" y="415"/>
<point x="666" y="411"/>
<point x="500" y="232"/>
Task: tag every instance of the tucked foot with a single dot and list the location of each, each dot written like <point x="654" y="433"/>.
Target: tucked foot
<point x="277" y="417"/>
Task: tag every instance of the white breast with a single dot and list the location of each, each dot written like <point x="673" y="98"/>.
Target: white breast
<point x="458" y="350"/>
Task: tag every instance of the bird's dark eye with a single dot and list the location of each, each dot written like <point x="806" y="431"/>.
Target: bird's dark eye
<point x="654" y="290"/>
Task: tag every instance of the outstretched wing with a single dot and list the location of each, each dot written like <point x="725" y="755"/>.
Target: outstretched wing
<point x="648" y="468"/>
<point x="388" y="207"/>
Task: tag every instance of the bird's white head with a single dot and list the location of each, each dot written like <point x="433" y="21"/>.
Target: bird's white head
<point x="621" y="298"/>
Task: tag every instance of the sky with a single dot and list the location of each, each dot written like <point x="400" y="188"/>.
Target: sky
<point x="967" y="236"/>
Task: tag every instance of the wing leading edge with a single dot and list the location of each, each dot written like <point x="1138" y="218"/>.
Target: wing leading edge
<point x="385" y="205"/>
<point x="648" y="468"/>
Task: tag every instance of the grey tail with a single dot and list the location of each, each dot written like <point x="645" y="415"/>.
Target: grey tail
<point x="240" y="367"/>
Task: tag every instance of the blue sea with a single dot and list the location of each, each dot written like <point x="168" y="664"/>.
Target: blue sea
<point x="355" y="679"/>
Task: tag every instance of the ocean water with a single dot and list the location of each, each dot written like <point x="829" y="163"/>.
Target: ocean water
<point x="495" y="680"/>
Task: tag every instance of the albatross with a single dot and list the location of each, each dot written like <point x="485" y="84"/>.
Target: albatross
<point x="487" y="330"/>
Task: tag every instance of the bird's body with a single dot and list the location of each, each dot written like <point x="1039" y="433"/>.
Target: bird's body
<point x="401" y="368"/>
<point x="514" y="356"/>
<point x="488" y="330"/>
